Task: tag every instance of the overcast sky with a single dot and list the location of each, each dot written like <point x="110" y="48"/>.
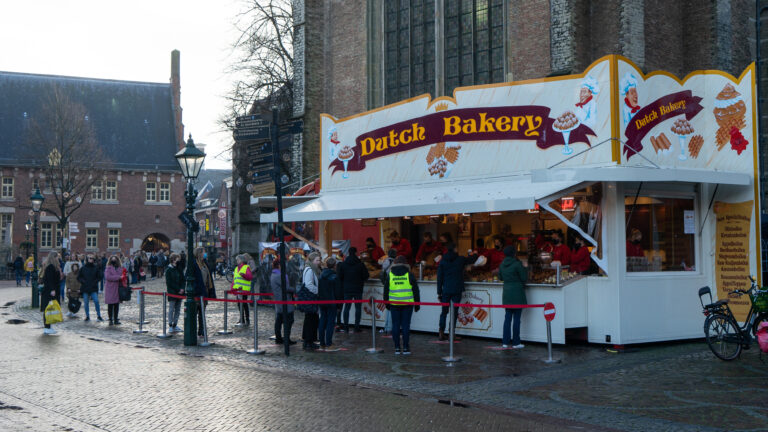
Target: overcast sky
<point x="131" y="41"/>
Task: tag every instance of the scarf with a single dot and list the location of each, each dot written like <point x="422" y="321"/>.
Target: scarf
<point x="581" y="104"/>
<point x="632" y="109"/>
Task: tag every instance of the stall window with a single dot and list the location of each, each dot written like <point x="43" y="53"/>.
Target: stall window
<point x="660" y="234"/>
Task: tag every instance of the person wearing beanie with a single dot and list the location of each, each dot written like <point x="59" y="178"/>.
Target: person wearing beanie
<point x="514" y="275"/>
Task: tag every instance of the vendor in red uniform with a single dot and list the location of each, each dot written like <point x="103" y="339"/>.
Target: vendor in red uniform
<point x="428" y="247"/>
<point x="496" y="255"/>
<point x="401" y="245"/>
<point x="561" y="252"/>
<point x="580" y="257"/>
<point x="374" y="251"/>
<point x="634" y="248"/>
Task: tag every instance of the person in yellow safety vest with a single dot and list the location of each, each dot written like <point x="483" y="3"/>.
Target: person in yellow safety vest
<point x="241" y="281"/>
<point x="401" y="286"/>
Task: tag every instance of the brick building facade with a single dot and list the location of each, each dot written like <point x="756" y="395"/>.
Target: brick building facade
<point x="138" y="126"/>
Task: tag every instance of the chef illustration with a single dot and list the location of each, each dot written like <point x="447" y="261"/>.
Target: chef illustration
<point x="335" y="145"/>
<point x="586" y="109"/>
<point x="630" y="106"/>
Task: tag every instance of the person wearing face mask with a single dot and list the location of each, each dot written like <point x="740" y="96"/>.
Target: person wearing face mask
<point x="429" y="248"/>
<point x="401" y="245"/>
<point x="374" y="252"/>
<point x="580" y="260"/>
<point x="561" y="252"/>
<point x="496" y="255"/>
<point x="634" y="248"/>
<point x="112" y="275"/>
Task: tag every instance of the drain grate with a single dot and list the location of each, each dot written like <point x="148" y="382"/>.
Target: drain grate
<point x="16" y="321"/>
<point x="452" y="403"/>
<point x="10" y="407"/>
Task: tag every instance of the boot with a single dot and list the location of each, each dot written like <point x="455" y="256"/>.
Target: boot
<point x="441" y="335"/>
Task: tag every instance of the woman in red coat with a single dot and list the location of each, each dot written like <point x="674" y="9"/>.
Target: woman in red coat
<point x="580" y="257"/>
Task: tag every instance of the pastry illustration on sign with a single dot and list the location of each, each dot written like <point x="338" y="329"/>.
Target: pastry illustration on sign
<point x="441" y="158"/>
<point x="345" y="155"/>
<point x="694" y="145"/>
<point x="565" y="124"/>
<point x="730" y="113"/>
<point x="628" y="87"/>
<point x="586" y="108"/>
<point x="682" y="128"/>
<point x="661" y="144"/>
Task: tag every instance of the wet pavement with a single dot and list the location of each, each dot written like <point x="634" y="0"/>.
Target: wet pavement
<point x="673" y="386"/>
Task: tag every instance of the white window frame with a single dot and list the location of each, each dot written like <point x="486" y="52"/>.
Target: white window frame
<point x="108" y="189"/>
<point x="150" y="193"/>
<point x="8" y="187"/>
<point x="46" y="230"/>
<point x="113" y="238"/>
<point x="167" y="192"/>
<point x="91" y="238"/>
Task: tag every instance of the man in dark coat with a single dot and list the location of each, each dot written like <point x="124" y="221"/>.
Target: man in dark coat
<point x="352" y="273"/>
<point x="89" y="277"/>
<point x="450" y="284"/>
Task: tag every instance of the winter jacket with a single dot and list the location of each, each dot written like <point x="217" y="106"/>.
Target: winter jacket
<point x="51" y="281"/>
<point x="399" y="270"/>
<point x="112" y="277"/>
<point x="89" y="277"/>
<point x="73" y="285"/>
<point x="277" y="291"/>
<point x="174" y="281"/>
<point x="200" y="288"/>
<point x="450" y="274"/>
<point x="352" y="273"/>
<point x="18" y="264"/>
<point x="514" y="276"/>
<point x="327" y="286"/>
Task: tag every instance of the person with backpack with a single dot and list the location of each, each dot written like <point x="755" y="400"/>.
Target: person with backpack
<point x="401" y="286"/>
<point x="352" y="273"/>
<point x="326" y="290"/>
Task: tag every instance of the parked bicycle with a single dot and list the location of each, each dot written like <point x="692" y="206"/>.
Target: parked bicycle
<point x="724" y="336"/>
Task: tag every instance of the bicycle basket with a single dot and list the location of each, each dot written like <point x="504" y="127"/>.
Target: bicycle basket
<point x="760" y="302"/>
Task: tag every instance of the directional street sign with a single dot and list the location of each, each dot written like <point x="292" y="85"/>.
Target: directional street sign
<point x="251" y="133"/>
<point x="250" y="121"/>
<point x="294" y="127"/>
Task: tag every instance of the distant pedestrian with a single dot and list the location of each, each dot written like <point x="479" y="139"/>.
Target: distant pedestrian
<point x="153" y="265"/>
<point x="89" y="277"/>
<point x="401" y="286"/>
<point x="514" y="275"/>
<point x="241" y="281"/>
<point x="352" y="273"/>
<point x="135" y="268"/>
<point x="450" y="285"/>
<point x="29" y="265"/>
<point x="386" y="265"/>
<point x="102" y="263"/>
<point x="203" y="287"/>
<point x="112" y="275"/>
<point x="50" y="276"/>
<point x="18" y="268"/>
<point x="73" y="287"/>
<point x="174" y="284"/>
<point x="326" y="290"/>
<point x="280" y="320"/>
<point x="311" y="319"/>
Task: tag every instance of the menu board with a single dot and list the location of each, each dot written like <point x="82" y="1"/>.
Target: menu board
<point x="732" y="253"/>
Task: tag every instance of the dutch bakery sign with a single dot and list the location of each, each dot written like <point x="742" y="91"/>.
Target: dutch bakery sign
<point x="607" y="115"/>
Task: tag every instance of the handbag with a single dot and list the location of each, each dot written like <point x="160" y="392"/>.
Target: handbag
<point x="306" y="295"/>
<point x="74" y="304"/>
<point x="124" y="293"/>
<point x="53" y="313"/>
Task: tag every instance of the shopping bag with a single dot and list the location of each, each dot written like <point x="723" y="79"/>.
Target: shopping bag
<point x="74" y="304"/>
<point x="124" y="293"/>
<point x="53" y="313"/>
<point x="762" y="336"/>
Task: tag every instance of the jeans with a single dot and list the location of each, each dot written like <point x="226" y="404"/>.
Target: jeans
<point x="446" y="298"/>
<point x="309" y="332"/>
<point x="135" y="277"/>
<point x="18" y="277"/>
<point x="29" y="275"/>
<point x="511" y="315"/>
<point x="388" y="322"/>
<point x="358" y="310"/>
<point x="91" y="296"/>
<point x="279" y="326"/>
<point x="63" y="288"/>
<point x="174" y="309"/>
<point x="327" y="321"/>
<point x="401" y="323"/>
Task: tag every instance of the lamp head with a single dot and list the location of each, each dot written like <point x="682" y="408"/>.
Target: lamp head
<point x="190" y="160"/>
<point x="37" y="200"/>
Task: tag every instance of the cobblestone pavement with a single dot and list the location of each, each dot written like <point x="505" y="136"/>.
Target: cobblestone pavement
<point x="675" y="387"/>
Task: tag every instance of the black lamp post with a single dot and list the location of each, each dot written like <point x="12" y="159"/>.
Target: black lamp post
<point x="190" y="160"/>
<point x="37" y="200"/>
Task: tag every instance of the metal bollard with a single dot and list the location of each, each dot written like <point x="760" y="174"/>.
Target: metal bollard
<point x="164" y="334"/>
<point x="225" y="330"/>
<point x="451" y="332"/>
<point x="141" y="321"/>
<point x="549" y="345"/>
<point x="373" y="349"/>
<point x="205" y="342"/>
<point x="256" y="349"/>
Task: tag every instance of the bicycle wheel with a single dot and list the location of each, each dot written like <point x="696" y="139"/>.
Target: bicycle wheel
<point x="723" y="336"/>
<point x="229" y="276"/>
<point x="762" y="316"/>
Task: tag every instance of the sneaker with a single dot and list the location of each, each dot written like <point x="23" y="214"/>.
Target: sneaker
<point x="518" y="346"/>
<point x="397" y="351"/>
<point x="279" y="341"/>
<point x="100" y="319"/>
<point x="341" y="330"/>
<point x="504" y="346"/>
<point x="46" y="331"/>
<point x="177" y="329"/>
<point x="87" y="319"/>
<point x="407" y="351"/>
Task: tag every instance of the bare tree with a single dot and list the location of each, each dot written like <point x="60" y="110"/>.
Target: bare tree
<point x="62" y="143"/>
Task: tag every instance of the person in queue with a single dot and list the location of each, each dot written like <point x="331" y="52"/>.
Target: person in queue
<point x="241" y="281"/>
<point x="375" y="252"/>
<point x="326" y="290"/>
<point x="561" y="252"/>
<point x="352" y="274"/>
<point x="429" y="247"/>
<point x="450" y="285"/>
<point x="311" y="319"/>
<point x="401" y="286"/>
<point x="514" y="275"/>
<point x="174" y="284"/>
<point x="386" y="265"/>
<point x="277" y="291"/>
<point x="112" y="275"/>
<point x="89" y="277"/>
<point x="634" y="247"/>
<point x="580" y="260"/>
<point x="203" y="284"/>
<point x="401" y="245"/>
<point x="50" y="277"/>
<point x="496" y="255"/>
<point x="73" y="286"/>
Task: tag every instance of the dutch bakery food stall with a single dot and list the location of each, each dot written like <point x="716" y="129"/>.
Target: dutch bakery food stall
<point x="655" y="173"/>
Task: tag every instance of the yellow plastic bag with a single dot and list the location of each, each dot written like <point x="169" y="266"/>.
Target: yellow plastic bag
<point x="53" y="313"/>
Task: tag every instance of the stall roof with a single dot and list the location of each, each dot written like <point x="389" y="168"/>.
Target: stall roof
<point x="638" y="173"/>
<point x="517" y="193"/>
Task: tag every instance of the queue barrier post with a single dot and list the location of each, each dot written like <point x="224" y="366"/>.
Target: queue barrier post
<point x="255" y="350"/>
<point x="141" y="321"/>
<point x="205" y="342"/>
<point x="373" y="349"/>
<point x="225" y="330"/>
<point x="164" y="334"/>
<point x="452" y="331"/>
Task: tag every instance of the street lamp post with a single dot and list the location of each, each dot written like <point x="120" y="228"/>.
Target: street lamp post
<point x="37" y="200"/>
<point x="190" y="160"/>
